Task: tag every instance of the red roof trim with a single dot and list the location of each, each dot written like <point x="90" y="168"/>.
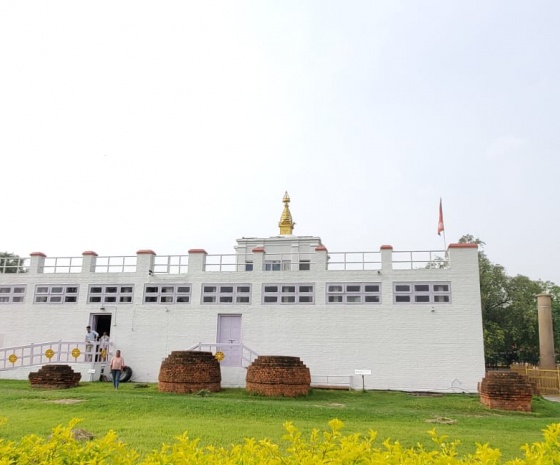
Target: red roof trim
<point x="320" y="248"/>
<point x="386" y="247"/>
<point x="198" y="251"/>
<point x="258" y="249"/>
<point x="89" y="252"/>
<point x="463" y="246"/>
<point x="37" y="254"/>
<point x="146" y="252"/>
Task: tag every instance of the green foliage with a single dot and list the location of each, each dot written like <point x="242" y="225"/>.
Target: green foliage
<point x="10" y="263"/>
<point x="331" y="446"/>
<point x="509" y="312"/>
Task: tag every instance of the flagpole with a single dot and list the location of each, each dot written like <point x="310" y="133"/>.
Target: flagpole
<point x="441" y="227"/>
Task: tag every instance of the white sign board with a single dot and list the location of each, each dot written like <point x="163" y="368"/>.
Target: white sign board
<point x="362" y="372"/>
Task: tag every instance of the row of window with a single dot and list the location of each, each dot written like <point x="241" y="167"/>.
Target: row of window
<point x="336" y="293"/>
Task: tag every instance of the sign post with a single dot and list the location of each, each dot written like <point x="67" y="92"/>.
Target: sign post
<point x="363" y="373"/>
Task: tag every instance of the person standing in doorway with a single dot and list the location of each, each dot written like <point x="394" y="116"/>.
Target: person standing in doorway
<point x="117" y="366"/>
<point x="104" y="347"/>
<point x="91" y="339"/>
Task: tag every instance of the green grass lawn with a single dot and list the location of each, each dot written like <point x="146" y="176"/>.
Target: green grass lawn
<point x="145" y="418"/>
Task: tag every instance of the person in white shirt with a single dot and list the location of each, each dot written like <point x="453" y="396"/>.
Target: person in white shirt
<point x="91" y="339"/>
<point x="104" y="346"/>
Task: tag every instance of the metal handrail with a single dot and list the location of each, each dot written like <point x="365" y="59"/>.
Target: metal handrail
<point x="248" y="355"/>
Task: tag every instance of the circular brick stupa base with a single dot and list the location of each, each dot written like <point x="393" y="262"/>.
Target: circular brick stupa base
<point x="55" y="377"/>
<point x="275" y="375"/>
<point x="506" y="391"/>
<point x="189" y="371"/>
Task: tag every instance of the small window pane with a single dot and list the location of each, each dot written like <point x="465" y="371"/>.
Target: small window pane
<point x="288" y="298"/>
<point x="243" y="299"/>
<point x="151" y="290"/>
<point x="56" y="290"/>
<point x="372" y="298"/>
<point x="208" y="299"/>
<point x="353" y="299"/>
<point x="168" y="299"/>
<point x="126" y="289"/>
<point x="353" y="288"/>
<point x="402" y="288"/>
<point x="228" y="289"/>
<point x="335" y="288"/>
<point x="422" y="298"/>
<point x="369" y="288"/>
<point x="209" y="289"/>
<point x="226" y="299"/>
<point x="402" y="298"/>
<point x="270" y="298"/>
<point x="421" y="287"/>
<point x="305" y="298"/>
<point x="125" y="299"/>
<point x="42" y="290"/>
<point x="71" y="290"/>
<point x="335" y="298"/>
<point x="6" y="290"/>
<point x="56" y="299"/>
<point x="70" y="298"/>
<point x="94" y="300"/>
<point x="19" y="290"/>
<point x="184" y="289"/>
<point x="243" y="289"/>
<point x="441" y="298"/>
<point x="441" y="288"/>
<point x="4" y="299"/>
<point x="110" y="299"/>
<point x="271" y="289"/>
<point x="40" y="299"/>
<point x="306" y="289"/>
<point x="17" y="299"/>
<point x="167" y="289"/>
<point x="111" y="289"/>
<point x="150" y="299"/>
<point x="183" y="299"/>
<point x="96" y="290"/>
<point x="288" y="289"/>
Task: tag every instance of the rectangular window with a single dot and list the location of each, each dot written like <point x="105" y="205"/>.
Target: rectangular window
<point x="353" y="293"/>
<point x="167" y="294"/>
<point x="226" y="294"/>
<point x="56" y="294"/>
<point x="276" y="265"/>
<point x="304" y="265"/>
<point x="110" y="294"/>
<point x="288" y="294"/>
<point x="422" y="293"/>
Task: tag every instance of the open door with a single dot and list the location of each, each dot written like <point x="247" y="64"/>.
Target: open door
<point x="229" y="333"/>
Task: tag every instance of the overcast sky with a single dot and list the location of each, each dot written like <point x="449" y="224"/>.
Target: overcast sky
<point x="173" y="125"/>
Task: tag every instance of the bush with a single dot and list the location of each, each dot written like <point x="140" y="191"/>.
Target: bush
<point x="322" y="447"/>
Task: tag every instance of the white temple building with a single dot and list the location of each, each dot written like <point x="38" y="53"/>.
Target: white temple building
<point x="381" y="319"/>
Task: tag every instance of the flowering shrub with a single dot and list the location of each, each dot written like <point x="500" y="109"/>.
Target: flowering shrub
<point x="321" y="447"/>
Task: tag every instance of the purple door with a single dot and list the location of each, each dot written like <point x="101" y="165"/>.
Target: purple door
<point x="229" y="334"/>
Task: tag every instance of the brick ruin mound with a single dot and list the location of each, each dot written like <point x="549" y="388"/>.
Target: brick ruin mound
<point x="187" y="371"/>
<point x="276" y="375"/>
<point x="55" y="377"/>
<point x="506" y="391"/>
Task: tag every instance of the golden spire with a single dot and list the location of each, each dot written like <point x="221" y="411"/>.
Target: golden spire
<point x="286" y="224"/>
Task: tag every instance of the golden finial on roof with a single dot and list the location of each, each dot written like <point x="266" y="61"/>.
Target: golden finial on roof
<point x="286" y="224"/>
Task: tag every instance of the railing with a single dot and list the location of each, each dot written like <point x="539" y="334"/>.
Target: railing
<point x="332" y="381"/>
<point x="171" y="264"/>
<point x="413" y="260"/>
<point x="115" y="264"/>
<point x="225" y="262"/>
<point x="345" y="261"/>
<point x="62" y="265"/>
<point x="14" y="264"/>
<point x="547" y="381"/>
<point x="248" y="355"/>
<point x="49" y="352"/>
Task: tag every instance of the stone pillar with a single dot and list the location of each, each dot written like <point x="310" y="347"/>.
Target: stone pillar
<point x="197" y="260"/>
<point x="546" y="334"/>
<point x="258" y="259"/>
<point x="89" y="257"/>
<point x="145" y="262"/>
<point x="37" y="263"/>
<point x="386" y="257"/>
<point x="321" y="258"/>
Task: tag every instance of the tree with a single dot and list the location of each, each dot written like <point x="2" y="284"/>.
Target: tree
<point x="10" y="263"/>
<point x="509" y="312"/>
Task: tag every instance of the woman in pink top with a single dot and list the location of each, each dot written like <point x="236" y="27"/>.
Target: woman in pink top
<point x="117" y="366"/>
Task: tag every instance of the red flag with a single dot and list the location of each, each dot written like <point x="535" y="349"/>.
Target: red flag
<point x="440" y="227"/>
